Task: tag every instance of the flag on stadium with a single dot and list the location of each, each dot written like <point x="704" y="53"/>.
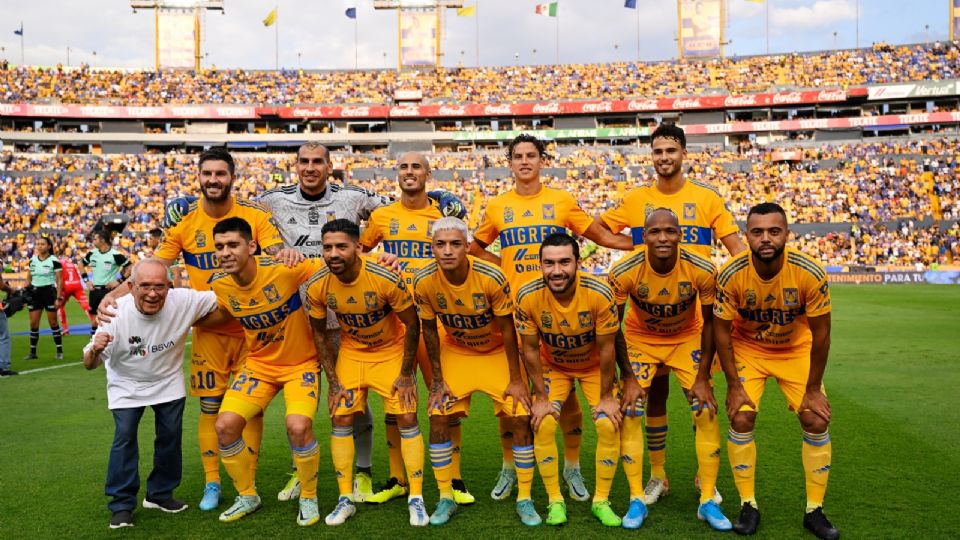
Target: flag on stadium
<point x="20" y="31"/>
<point x="467" y="11"/>
<point x="550" y="10"/>
<point x="351" y="13"/>
<point x="271" y="18"/>
<point x="632" y="4"/>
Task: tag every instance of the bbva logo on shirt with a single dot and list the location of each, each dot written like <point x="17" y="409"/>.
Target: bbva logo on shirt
<point x="138" y="348"/>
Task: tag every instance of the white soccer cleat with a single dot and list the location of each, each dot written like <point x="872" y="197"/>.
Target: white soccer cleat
<point x="656" y="488"/>
<point x="290" y="491"/>
<point x="345" y="508"/>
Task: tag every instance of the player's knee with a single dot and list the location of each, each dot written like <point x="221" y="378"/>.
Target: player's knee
<point x="743" y="421"/>
<point x="407" y="420"/>
<point x="570" y="410"/>
<point x="299" y="429"/>
<point x="812" y="423"/>
<point x="520" y="426"/>
<point x="343" y="420"/>
<point x="439" y="429"/>
<point x="605" y="427"/>
<point x="229" y="427"/>
<point x="547" y="428"/>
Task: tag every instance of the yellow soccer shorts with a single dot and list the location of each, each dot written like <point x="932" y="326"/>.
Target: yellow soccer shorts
<point x="683" y="359"/>
<point x="790" y="370"/>
<point x="423" y="360"/>
<point x="253" y="389"/>
<point x="358" y="375"/>
<point x="214" y="357"/>
<point x="559" y="383"/>
<point x="476" y="372"/>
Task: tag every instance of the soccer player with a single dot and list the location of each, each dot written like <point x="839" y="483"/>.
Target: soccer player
<point x="670" y="324"/>
<point x="377" y="353"/>
<point x="216" y="352"/>
<point x="103" y="263"/>
<point x="264" y="296"/>
<point x="300" y="211"/>
<point x="521" y="219"/>
<point x="45" y="277"/>
<point x="477" y="353"/>
<point x="772" y="319"/>
<point x="403" y="229"/>
<point x="572" y="316"/>
<point x="73" y="287"/>
<point x="704" y="218"/>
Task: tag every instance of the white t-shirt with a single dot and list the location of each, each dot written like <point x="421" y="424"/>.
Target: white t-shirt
<point x="145" y="359"/>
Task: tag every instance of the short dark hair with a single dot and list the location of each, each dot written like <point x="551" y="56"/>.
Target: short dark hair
<point x="103" y="234"/>
<point x="155" y="232"/>
<point x="342" y="225"/>
<point x="527" y="138"/>
<point x="218" y="154"/>
<point x="763" y="209"/>
<point x="670" y="131"/>
<point x="560" y="239"/>
<point x="234" y="224"/>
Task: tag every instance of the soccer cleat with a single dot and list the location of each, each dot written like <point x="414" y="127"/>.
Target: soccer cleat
<point x="748" y="520"/>
<point x="309" y="512"/>
<point x="121" y="518"/>
<point x="711" y="513"/>
<point x="31" y="356"/>
<point x="505" y="482"/>
<point x="418" y="512"/>
<point x="717" y="498"/>
<point x="445" y="510"/>
<point x="244" y="505"/>
<point x="656" y="488"/>
<point x="528" y="513"/>
<point x="362" y="486"/>
<point x="556" y="513"/>
<point x="344" y="510"/>
<point x="817" y="523"/>
<point x="391" y="490"/>
<point x="574" y="480"/>
<point x="635" y="515"/>
<point x="460" y="493"/>
<point x="58" y="357"/>
<point x="602" y="511"/>
<point x="211" y="497"/>
<point x="290" y="491"/>
<point x="171" y="505"/>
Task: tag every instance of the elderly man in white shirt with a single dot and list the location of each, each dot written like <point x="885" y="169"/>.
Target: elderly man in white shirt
<point x="142" y="351"/>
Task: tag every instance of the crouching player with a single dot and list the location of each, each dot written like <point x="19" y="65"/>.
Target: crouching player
<point x="571" y="317"/>
<point x="472" y="299"/>
<point x="667" y="326"/>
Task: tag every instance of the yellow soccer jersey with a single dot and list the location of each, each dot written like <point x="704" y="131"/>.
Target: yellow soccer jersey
<point x="404" y="233"/>
<point x="366" y="308"/>
<point x="663" y="308"/>
<point x="568" y="334"/>
<point x="771" y="316"/>
<point x="522" y="222"/>
<point x="466" y="311"/>
<point x="704" y="217"/>
<point x="269" y="309"/>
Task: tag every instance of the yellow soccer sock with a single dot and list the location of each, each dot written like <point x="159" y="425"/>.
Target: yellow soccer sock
<point x="608" y="453"/>
<point x="207" y="437"/>
<point x="816" y="453"/>
<point x="342" y="451"/>
<point x="571" y="422"/>
<point x="657" y="445"/>
<point x="707" y="438"/>
<point x="441" y="460"/>
<point x="252" y="435"/>
<point x="545" y="450"/>
<point x="393" y="449"/>
<point x="742" y="452"/>
<point x="455" y="433"/>
<point x="506" y="441"/>
<point x="236" y="459"/>
<point x="411" y="445"/>
<point x="524" y="461"/>
<point x="631" y="453"/>
<point x="307" y="460"/>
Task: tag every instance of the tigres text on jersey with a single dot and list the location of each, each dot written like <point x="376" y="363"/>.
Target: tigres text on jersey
<point x="403" y="232"/>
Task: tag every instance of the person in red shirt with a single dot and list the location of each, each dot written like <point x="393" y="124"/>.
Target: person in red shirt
<point x="73" y="286"/>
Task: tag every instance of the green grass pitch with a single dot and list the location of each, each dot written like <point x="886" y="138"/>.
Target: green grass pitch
<point x="893" y="366"/>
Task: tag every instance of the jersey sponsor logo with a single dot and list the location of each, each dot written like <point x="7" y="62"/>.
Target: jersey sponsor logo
<point x="459" y="302"/>
<point x="394" y="227"/>
<point x="304" y="241"/>
<point x="750" y="297"/>
<point x="508" y="215"/>
<point x="272" y="317"/>
<point x="291" y="221"/>
<point x="585" y="318"/>
<point x="137" y="347"/>
<point x="442" y="301"/>
<point x="528" y="214"/>
<point x="548" y="211"/>
<point x="563" y="341"/>
<point x="564" y="323"/>
<point x="479" y="301"/>
<point x="313" y="215"/>
<point x="686" y="290"/>
<point x="664" y="292"/>
<point x="779" y="317"/>
<point x="200" y="238"/>
<point x="409" y="249"/>
<point x="351" y="300"/>
<point x="205" y="260"/>
<point x="412" y="227"/>
<point x="546" y="320"/>
<point x="364" y="320"/>
<point x="526" y="235"/>
<point x="689" y="211"/>
<point x="790" y="297"/>
<point x="253" y="302"/>
<point x="769" y="298"/>
<point x="465" y="322"/>
<point x="271" y="293"/>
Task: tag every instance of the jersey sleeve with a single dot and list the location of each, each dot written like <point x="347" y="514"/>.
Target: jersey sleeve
<point x="170" y="246"/>
<point x="706" y="288"/>
<point x="57" y="265"/>
<point x="817" y="296"/>
<point x="200" y="303"/>
<point x="372" y="233"/>
<point x="501" y="300"/>
<point x="121" y="260"/>
<point x="523" y="318"/>
<point x="576" y="219"/>
<point x="397" y="294"/>
<point x="421" y="295"/>
<point x="726" y="301"/>
<point x="86" y="259"/>
<point x="619" y="283"/>
<point x="487" y="231"/>
<point x="616" y="217"/>
<point x="267" y="234"/>
<point x="369" y="201"/>
<point x="723" y="223"/>
<point x="606" y="316"/>
<point x="308" y="268"/>
<point x="316" y="302"/>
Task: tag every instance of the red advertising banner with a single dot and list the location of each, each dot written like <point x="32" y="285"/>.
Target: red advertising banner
<point x="206" y="112"/>
<point x="824" y="123"/>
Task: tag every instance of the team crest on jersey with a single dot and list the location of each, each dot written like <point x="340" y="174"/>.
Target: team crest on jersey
<point x="686" y="290"/>
<point x="313" y="216"/>
<point x="441" y="300"/>
<point x="585" y="318"/>
<point x="479" y="301"/>
<point x="549" y="212"/>
<point x="331" y="301"/>
<point x="234" y="303"/>
<point x="370" y="300"/>
<point x="331" y="215"/>
<point x="647" y="210"/>
<point x="750" y="297"/>
<point x="430" y="228"/>
<point x="394" y="226"/>
<point x="546" y="320"/>
<point x="508" y="214"/>
<point x="790" y="297"/>
<point x="271" y="292"/>
<point x="643" y="291"/>
<point x="689" y="211"/>
<point x="200" y="238"/>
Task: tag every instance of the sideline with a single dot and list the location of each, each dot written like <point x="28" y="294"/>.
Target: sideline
<point x="58" y="366"/>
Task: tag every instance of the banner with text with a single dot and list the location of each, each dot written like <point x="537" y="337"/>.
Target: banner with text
<point x="175" y="40"/>
<point x="418" y="38"/>
<point x="701" y="27"/>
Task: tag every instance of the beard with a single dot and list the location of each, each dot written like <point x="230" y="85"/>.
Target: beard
<point x="224" y="194"/>
<point x="777" y="252"/>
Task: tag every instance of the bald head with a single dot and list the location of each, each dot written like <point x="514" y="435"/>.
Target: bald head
<point x="413" y="171"/>
<point x="662" y="215"/>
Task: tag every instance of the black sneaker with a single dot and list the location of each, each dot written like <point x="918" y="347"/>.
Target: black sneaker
<point x="121" y="518"/>
<point x="170" y="505"/>
<point x="747" y="521"/>
<point x="31" y="356"/>
<point x="819" y="525"/>
<point x="7" y="372"/>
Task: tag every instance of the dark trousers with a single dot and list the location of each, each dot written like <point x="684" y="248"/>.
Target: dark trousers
<point x="123" y="472"/>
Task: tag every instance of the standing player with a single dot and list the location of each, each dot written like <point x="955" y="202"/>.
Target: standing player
<point x="264" y="296"/>
<point x="773" y="320"/>
<point x="670" y="324"/>
<point x="73" y="287"/>
<point x="216" y="352"/>
<point x="571" y="317"/>
<point x="45" y="278"/>
<point x="473" y="301"/>
<point x="377" y="353"/>
<point x="704" y="218"/>
<point x="521" y="219"/>
<point x="103" y="264"/>
<point x="403" y="228"/>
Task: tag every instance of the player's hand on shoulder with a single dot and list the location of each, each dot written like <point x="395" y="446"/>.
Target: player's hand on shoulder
<point x="106" y="311"/>
<point x="290" y="257"/>
<point x="389" y="260"/>
<point x="174" y="211"/>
